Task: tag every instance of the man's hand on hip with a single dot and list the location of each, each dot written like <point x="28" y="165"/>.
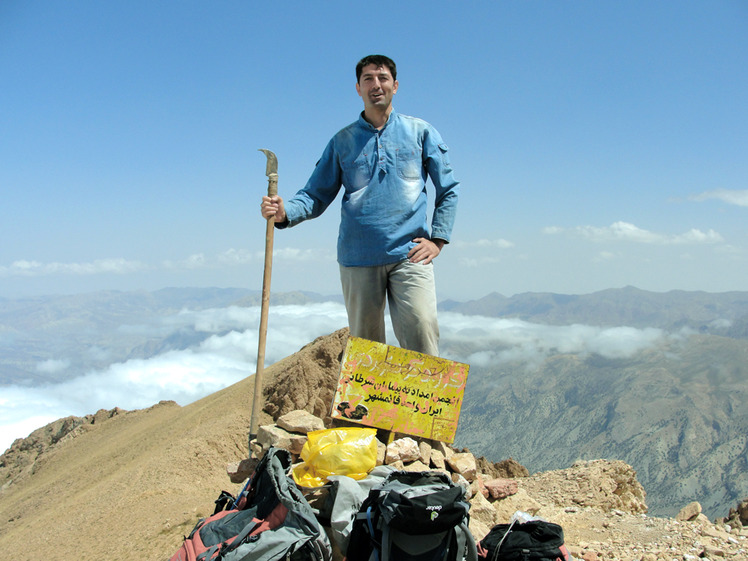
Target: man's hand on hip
<point x="425" y="251"/>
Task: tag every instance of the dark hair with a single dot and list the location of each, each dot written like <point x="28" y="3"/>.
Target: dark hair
<point x="377" y="60"/>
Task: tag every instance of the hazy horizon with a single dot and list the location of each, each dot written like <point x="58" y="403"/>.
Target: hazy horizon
<point x="228" y="353"/>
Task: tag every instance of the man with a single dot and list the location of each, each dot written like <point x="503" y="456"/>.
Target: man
<point x="385" y="250"/>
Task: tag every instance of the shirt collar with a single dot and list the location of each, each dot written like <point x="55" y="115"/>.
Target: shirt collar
<point x="367" y="125"/>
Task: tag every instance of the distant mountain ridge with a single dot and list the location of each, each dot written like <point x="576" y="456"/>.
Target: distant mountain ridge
<point x="723" y="313"/>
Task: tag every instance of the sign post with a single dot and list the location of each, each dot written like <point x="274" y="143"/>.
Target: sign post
<point x="400" y="390"/>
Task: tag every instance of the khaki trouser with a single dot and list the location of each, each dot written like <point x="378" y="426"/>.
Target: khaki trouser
<point x="410" y="290"/>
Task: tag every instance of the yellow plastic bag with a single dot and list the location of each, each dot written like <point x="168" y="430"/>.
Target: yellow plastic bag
<point x="347" y="451"/>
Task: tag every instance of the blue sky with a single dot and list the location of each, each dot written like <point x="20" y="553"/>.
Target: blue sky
<point x="599" y="144"/>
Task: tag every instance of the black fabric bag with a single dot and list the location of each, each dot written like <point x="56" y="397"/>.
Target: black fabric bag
<point x="534" y="540"/>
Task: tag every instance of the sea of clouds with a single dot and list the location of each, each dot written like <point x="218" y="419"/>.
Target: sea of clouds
<point x="228" y="353"/>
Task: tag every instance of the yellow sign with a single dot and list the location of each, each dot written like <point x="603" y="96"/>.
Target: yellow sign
<point x="400" y="390"/>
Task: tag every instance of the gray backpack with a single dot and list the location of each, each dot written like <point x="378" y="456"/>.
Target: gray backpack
<point x="270" y="520"/>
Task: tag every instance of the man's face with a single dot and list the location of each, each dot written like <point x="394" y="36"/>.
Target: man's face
<point x="376" y="86"/>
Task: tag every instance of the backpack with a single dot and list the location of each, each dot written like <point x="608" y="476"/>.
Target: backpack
<point x="269" y="520"/>
<point x="418" y="516"/>
<point x="534" y="540"/>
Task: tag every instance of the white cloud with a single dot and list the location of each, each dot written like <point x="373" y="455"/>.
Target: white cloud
<point x="52" y="366"/>
<point x="183" y="376"/>
<point x="476" y="262"/>
<point x="733" y="197"/>
<point x="497" y="340"/>
<point x="100" y="266"/>
<point x="196" y="261"/>
<point x="626" y="232"/>
<point x="483" y="243"/>
<point x="229" y="354"/>
<point x="302" y="255"/>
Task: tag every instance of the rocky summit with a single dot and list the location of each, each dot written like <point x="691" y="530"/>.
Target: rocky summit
<point x="119" y="484"/>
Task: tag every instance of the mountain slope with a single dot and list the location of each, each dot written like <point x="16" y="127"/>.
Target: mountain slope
<point x="676" y="413"/>
<point x="132" y="485"/>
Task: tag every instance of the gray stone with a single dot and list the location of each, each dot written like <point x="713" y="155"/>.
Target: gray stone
<point x="300" y="421"/>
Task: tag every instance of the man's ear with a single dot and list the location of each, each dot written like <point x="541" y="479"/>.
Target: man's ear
<point x="358" y="89"/>
<point x="394" y="88"/>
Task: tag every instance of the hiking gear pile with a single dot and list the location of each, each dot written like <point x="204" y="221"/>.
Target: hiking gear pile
<point x="387" y="516"/>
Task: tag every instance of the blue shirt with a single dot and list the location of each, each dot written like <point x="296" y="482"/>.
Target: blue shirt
<point x="383" y="173"/>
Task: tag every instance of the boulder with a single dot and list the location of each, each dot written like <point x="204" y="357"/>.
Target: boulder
<point x="300" y="421"/>
<point x="403" y="449"/>
<point x="689" y="512"/>
<point x="501" y="488"/>
<point x="464" y="464"/>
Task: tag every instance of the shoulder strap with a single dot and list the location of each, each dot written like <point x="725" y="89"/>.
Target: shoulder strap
<point x="373" y="541"/>
<point x="468" y="542"/>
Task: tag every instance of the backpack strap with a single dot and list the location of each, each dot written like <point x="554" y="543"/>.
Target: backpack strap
<point x="386" y="543"/>
<point x="498" y="547"/>
<point x="466" y="542"/>
<point x="375" y="550"/>
<point x="240" y="537"/>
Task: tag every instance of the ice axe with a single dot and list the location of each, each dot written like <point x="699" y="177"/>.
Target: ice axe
<point x="272" y="172"/>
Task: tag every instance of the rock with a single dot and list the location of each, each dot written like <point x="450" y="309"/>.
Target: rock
<point x="464" y="464"/>
<point x="576" y="552"/>
<point x="511" y="468"/>
<point x="520" y="501"/>
<point x="398" y="465"/>
<point x="714" y="532"/>
<point x="689" y="512"/>
<point x="443" y="447"/>
<point x="418" y="465"/>
<point x="255" y="449"/>
<point x="743" y="511"/>
<point x="403" y="449"/>
<point x="483" y="516"/>
<point x="381" y="453"/>
<point x="501" y="488"/>
<point x="297" y="443"/>
<point x="603" y="484"/>
<point x="437" y="459"/>
<point x="300" y="421"/>
<point x="478" y="486"/>
<point x="712" y="552"/>
<point x="240" y="471"/>
<point x="272" y="435"/>
<point x="457" y="479"/>
<point x="424" y="447"/>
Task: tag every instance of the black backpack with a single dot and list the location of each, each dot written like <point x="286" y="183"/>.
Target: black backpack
<point x="418" y="516"/>
<point x="534" y="540"/>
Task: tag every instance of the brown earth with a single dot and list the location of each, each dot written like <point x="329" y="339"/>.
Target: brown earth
<point x="130" y="484"/>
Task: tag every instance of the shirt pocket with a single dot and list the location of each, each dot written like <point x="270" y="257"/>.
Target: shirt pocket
<point x="409" y="165"/>
<point x="356" y="173"/>
<point x="444" y="152"/>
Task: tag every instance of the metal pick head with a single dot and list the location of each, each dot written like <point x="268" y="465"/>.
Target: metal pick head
<point x="272" y="165"/>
